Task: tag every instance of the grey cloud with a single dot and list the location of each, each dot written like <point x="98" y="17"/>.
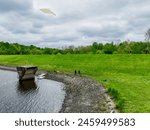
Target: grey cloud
<point x="17" y="25"/>
<point x="15" y="5"/>
<point x="38" y="24"/>
<point x="60" y="37"/>
<point x="113" y="31"/>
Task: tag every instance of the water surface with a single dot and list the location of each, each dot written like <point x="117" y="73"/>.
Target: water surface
<point x="33" y="96"/>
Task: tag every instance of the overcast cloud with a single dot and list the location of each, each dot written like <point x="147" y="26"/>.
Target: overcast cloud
<point x="77" y="22"/>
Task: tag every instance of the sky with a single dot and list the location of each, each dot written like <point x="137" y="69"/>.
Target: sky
<point x="77" y="22"/>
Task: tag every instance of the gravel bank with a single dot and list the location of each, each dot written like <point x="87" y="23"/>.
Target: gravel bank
<point x="84" y="95"/>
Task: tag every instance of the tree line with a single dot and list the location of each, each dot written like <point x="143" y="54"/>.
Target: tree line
<point x="18" y="49"/>
<point x="96" y="48"/>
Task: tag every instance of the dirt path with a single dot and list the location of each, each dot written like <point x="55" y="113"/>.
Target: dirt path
<point x="8" y="68"/>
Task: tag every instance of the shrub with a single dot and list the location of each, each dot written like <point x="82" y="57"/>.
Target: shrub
<point x="116" y="95"/>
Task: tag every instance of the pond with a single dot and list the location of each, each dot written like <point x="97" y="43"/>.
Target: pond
<point x="32" y="96"/>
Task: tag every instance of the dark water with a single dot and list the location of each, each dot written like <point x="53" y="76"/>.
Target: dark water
<point x="39" y="96"/>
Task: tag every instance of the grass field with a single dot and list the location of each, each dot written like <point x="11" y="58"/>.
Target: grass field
<point x="128" y="74"/>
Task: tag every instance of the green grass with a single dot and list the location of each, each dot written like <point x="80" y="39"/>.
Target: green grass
<point x="129" y="75"/>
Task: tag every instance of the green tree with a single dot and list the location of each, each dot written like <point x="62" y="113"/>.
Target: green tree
<point x="109" y="48"/>
<point x="147" y="35"/>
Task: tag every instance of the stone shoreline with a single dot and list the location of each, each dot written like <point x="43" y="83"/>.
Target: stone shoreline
<point x="83" y="95"/>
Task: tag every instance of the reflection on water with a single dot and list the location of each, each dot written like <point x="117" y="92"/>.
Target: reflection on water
<point x="27" y="85"/>
<point x="32" y="96"/>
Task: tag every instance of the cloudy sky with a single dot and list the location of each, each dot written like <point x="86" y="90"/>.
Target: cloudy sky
<point x="77" y="22"/>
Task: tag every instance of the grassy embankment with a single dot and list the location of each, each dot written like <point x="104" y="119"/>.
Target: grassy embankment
<point x="128" y="75"/>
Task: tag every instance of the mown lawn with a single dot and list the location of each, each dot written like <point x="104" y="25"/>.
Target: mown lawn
<point x="128" y="74"/>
